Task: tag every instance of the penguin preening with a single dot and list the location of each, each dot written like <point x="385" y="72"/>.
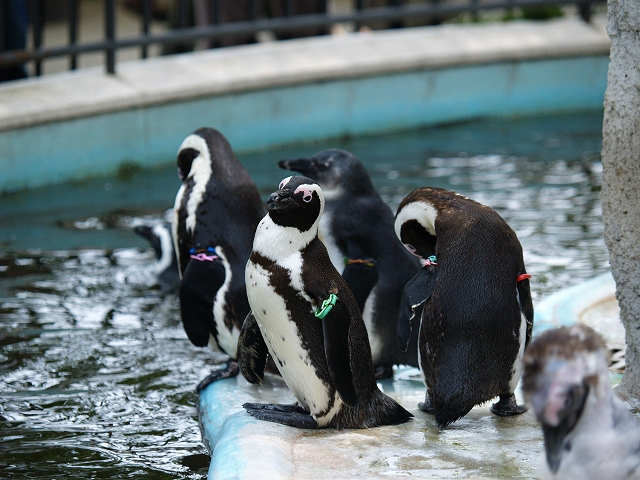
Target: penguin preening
<point x="217" y="210"/>
<point x="159" y="236"/>
<point x="477" y="314"/>
<point x="588" y="432"/>
<point x="357" y="229"/>
<point x="304" y="315"/>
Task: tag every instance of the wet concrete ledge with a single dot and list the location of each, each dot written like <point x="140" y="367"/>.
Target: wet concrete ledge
<point x="479" y="446"/>
<point x="84" y="123"/>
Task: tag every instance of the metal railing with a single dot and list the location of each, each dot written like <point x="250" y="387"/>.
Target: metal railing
<point x="394" y="13"/>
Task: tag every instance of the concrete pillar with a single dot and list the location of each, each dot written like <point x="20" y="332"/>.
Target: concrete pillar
<point x="621" y="178"/>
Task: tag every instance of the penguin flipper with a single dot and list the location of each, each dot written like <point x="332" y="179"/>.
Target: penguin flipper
<point x="200" y="282"/>
<point x="335" y="327"/>
<point x="361" y="278"/>
<point x="230" y="370"/>
<point x="290" y="415"/>
<point x="416" y="292"/>
<point x="526" y="306"/>
<point x="252" y="350"/>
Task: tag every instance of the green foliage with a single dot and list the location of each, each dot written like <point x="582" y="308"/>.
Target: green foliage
<point x="542" y="12"/>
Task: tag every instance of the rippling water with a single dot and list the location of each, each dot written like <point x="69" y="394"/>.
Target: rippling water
<point x="96" y="374"/>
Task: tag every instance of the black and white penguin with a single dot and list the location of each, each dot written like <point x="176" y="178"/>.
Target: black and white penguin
<point x="159" y="236"/>
<point x="357" y="229"/>
<point x="588" y="431"/>
<point x="217" y="210"/>
<point x="477" y="312"/>
<point x="304" y="315"/>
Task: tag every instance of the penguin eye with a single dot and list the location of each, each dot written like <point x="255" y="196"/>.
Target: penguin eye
<point x="282" y="184"/>
<point x="410" y="247"/>
<point x="307" y="197"/>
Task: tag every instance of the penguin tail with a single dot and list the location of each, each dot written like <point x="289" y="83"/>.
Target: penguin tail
<point x="452" y="405"/>
<point x="387" y="411"/>
<point x="377" y="411"/>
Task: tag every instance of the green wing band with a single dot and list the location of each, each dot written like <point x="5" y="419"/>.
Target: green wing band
<point x="326" y="306"/>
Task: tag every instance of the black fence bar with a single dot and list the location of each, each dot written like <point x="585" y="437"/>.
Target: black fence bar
<point x="110" y="34"/>
<point x="4" y="6"/>
<point x="38" y="26"/>
<point x="277" y="25"/>
<point x="585" y="10"/>
<point x="252" y="8"/>
<point x="183" y="13"/>
<point x="146" y="23"/>
<point x="73" y="32"/>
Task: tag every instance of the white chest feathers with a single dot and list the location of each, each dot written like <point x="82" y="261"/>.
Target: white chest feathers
<point x="283" y="339"/>
<point x="227" y="338"/>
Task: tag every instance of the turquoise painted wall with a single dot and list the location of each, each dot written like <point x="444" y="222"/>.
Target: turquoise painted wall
<point x="89" y="146"/>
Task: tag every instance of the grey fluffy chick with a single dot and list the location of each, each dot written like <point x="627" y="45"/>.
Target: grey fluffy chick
<point x="588" y="432"/>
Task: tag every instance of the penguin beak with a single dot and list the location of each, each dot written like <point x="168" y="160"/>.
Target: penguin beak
<point x="302" y="165"/>
<point x="280" y="200"/>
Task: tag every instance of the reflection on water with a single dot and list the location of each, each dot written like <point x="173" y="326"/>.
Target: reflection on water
<point x="96" y="374"/>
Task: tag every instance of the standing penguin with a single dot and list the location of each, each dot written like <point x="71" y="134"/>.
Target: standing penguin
<point x="588" y="432"/>
<point x="305" y="316"/>
<point x="357" y="229"/>
<point x="217" y="210"/>
<point x="477" y="312"/>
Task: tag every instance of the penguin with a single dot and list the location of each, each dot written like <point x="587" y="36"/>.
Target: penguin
<point x="216" y="212"/>
<point x="477" y="313"/>
<point x="357" y="229"/>
<point x="304" y="315"/>
<point x="588" y="432"/>
<point x="159" y="236"/>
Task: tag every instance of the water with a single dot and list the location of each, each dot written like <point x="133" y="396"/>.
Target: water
<point x="96" y="374"/>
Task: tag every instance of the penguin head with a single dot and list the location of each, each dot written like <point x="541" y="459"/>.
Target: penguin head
<point x="193" y="155"/>
<point x="332" y="168"/>
<point x="152" y="237"/>
<point x="415" y="226"/>
<point x="298" y="203"/>
<point x="204" y="152"/>
<point x="562" y="368"/>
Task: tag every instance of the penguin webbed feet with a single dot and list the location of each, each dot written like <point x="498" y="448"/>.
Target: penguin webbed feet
<point x="231" y="369"/>
<point x="507" y="406"/>
<point x="427" y="405"/>
<point x="291" y="415"/>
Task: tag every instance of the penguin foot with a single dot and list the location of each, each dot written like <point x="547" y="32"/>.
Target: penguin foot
<point x="383" y="371"/>
<point x="230" y="370"/>
<point x="507" y="406"/>
<point x="290" y="415"/>
<point x="427" y="405"/>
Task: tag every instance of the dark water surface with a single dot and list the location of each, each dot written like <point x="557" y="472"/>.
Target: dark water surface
<point x="96" y="374"/>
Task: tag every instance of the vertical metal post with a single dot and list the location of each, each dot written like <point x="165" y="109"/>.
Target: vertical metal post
<point x="474" y="11"/>
<point x="3" y="26"/>
<point x="585" y="10"/>
<point x="110" y="34"/>
<point x="216" y="10"/>
<point x="252" y="9"/>
<point x="288" y="8"/>
<point x="395" y="23"/>
<point x="359" y="8"/>
<point x="183" y="13"/>
<point x="73" y="32"/>
<point x="37" y="32"/>
<point x="146" y="22"/>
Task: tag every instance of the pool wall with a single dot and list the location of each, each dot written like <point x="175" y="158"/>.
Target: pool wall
<point x="85" y="123"/>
